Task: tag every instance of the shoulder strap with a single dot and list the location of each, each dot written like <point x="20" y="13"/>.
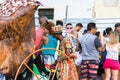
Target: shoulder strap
<point x="117" y="45"/>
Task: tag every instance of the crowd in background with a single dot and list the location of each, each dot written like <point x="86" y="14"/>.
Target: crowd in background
<point x="94" y="55"/>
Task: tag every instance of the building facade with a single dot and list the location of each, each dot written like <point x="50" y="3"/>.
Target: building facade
<point x="69" y="8"/>
<point x="107" y="9"/>
<point x="104" y="12"/>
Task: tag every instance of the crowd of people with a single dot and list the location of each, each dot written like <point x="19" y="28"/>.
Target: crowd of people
<point x="95" y="55"/>
<point x="67" y="57"/>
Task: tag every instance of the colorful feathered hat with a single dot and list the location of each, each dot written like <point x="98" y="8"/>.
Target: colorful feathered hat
<point x="57" y="29"/>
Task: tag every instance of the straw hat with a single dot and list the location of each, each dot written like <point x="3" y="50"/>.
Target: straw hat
<point x="57" y="29"/>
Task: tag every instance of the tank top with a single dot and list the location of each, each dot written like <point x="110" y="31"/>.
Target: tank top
<point x="52" y="43"/>
<point x="112" y="52"/>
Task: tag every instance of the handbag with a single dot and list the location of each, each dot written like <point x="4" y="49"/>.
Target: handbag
<point x="79" y="59"/>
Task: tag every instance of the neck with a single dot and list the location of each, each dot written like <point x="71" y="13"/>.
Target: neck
<point x="61" y="38"/>
<point x="90" y="32"/>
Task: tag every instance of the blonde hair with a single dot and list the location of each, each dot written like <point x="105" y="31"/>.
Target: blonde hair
<point x="113" y="38"/>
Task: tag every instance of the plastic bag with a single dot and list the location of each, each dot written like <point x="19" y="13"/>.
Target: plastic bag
<point x="79" y="59"/>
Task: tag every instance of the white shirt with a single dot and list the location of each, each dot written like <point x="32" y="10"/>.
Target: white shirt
<point x="112" y="52"/>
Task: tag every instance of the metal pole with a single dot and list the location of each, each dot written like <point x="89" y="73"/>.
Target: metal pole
<point x="66" y="12"/>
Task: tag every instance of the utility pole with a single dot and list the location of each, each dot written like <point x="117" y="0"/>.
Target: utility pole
<point x="66" y="16"/>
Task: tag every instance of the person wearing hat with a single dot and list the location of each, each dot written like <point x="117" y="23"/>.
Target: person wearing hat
<point x="117" y="29"/>
<point x="66" y="69"/>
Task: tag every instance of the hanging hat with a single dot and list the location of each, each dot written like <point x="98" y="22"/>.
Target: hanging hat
<point x="57" y="29"/>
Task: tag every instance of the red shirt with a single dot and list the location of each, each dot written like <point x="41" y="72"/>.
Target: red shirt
<point x="39" y="34"/>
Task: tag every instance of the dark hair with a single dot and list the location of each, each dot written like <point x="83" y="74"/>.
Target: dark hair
<point x="43" y="17"/>
<point x="117" y="25"/>
<point x="104" y="33"/>
<point x="48" y="26"/>
<point x="79" y="24"/>
<point x="91" y="25"/>
<point x="108" y="30"/>
<point x="51" y="23"/>
<point x="97" y="33"/>
<point x="68" y="24"/>
<point x="84" y="32"/>
<point x="59" y="22"/>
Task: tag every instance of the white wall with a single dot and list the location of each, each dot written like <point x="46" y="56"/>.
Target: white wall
<point x="76" y="8"/>
<point x="1" y="1"/>
<point x="109" y="10"/>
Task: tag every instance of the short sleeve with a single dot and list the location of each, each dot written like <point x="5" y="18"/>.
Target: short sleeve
<point x="97" y="43"/>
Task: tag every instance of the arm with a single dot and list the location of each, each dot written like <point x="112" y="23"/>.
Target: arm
<point x="45" y="39"/>
<point x="75" y="34"/>
<point x="98" y="45"/>
<point x="119" y="49"/>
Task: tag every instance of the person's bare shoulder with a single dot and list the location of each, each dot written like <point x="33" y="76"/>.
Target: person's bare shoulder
<point x="45" y="39"/>
<point x="75" y="34"/>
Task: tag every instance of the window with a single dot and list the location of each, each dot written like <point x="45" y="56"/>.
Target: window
<point x="49" y="13"/>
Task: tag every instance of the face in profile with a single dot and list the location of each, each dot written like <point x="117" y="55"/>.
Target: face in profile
<point x="78" y="28"/>
<point x="57" y="36"/>
<point x="94" y="30"/>
<point x="46" y="31"/>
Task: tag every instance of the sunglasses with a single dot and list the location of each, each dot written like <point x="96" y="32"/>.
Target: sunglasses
<point x="69" y="28"/>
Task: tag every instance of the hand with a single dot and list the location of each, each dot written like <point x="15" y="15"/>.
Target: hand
<point x="61" y="58"/>
<point x="73" y="56"/>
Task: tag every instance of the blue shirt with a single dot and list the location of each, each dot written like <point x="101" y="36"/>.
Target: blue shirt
<point x="52" y="43"/>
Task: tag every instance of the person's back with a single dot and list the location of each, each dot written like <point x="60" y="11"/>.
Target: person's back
<point x="111" y="64"/>
<point x="90" y="46"/>
<point x="112" y="52"/>
<point x="39" y="34"/>
<point x="89" y="51"/>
